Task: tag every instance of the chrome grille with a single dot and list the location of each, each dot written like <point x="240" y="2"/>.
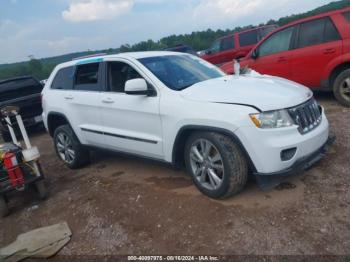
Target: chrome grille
<point x="307" y="116"/>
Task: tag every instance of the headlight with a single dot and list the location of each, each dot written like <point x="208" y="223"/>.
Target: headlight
<point x="272" y="119"/>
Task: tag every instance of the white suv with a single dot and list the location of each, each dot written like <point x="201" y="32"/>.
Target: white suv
<point x="179" y="109"/>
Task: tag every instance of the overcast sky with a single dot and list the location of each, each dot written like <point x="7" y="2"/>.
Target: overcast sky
<point x="46" y="28"/>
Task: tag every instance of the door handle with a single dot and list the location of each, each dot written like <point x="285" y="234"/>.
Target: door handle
<point x="282" y="59"/>
<point x="108" y="101"/>
<point x="329" y="51"/>
<point x="69" y="97"/>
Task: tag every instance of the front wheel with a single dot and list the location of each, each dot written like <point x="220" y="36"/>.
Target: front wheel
<point x="217" y="165"/>
<point x="341" y="88"/>
<point x="69" y="149"/>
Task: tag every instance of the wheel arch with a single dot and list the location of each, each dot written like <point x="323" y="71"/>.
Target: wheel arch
<point x="54" y="120"/>
<point x="336" y="71"/>
<point x="186" y="131"/>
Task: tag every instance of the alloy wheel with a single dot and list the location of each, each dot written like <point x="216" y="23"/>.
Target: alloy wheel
<point x="207" y="164"/>
<point x="345" y="89"/>
<point x="65" y="148"/>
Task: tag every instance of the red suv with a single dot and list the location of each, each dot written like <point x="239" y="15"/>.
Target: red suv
<point x="236" y="46"/>
<point x="314" y="52"/>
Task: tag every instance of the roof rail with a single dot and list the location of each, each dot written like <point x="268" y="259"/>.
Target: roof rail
<point x="88" y="56"/>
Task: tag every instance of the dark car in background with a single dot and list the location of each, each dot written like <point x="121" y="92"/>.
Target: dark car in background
<point x="237" y="45"/>
<point x="25" y="93"/>
<point x="181" y="48"/>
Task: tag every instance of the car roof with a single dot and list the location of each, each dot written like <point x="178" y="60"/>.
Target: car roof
<point x="247" y="30"/>
<point x="127" y="55"/>
<point x="296" y="22"/>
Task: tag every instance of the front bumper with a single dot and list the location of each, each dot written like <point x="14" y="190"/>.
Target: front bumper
<point x="270" y="181"/>
<point x="266" y="147"/>
<point x="304" y="163"/>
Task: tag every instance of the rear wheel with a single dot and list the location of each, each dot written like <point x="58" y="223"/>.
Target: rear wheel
<point x="69" y="149"/>
<point x="4" y="210"/>
<point x="217" y="165"/>
<point x="341" y="88"/>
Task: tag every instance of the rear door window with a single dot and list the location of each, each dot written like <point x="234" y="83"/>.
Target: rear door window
<point x="278" y="42"/>
<point x="347" y="16"/>
<point x="316" y="32"/>
<point x="227" y="43"/>
<point x="64" y="79"/>
<point x="87" y="77"/>
<point x="331" y="32"/>
<point x="248" y="38"/>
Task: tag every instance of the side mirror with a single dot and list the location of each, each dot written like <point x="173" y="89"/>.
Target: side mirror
<point x="208" y="52"/>
<point x="137" y="86"/>
<point x="255" y="54"/>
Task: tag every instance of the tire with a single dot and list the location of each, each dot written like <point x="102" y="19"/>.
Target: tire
<point x="6" y="137"/>
<point x="69" y="149"/>
<point x="4" y="210"/>
<point x="42" y="190"/>
<point x="341" y="88"/>
<point x="231" y="168"/>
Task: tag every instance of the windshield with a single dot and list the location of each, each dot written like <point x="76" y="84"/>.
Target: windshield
<point x="181" y="71"/>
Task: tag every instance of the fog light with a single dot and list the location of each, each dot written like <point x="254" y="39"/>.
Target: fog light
<point x="288" y="154"/>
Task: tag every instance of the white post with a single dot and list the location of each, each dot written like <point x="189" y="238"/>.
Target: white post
<point x="236" y="67"/>
<point x="12" y="133"/>
<point x="23" y="131"/>
<point x="27" y="141"/>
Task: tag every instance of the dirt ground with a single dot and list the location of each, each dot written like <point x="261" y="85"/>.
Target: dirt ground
<point x="120" y="205"/>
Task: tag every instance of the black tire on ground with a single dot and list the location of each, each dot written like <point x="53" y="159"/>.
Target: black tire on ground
<point x="234" y="163"/>
<point x="4" y="210"/>
<point x="41" y="188"/>
<point x="82" y="154"/>
<point x="344" y="99"/>
<point x="6" y="137"/>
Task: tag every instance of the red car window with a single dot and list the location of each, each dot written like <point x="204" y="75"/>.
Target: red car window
<point x="316" y="32"/>
<point x="278" y="42"/>
<point x="347" y="15"/>
<point x="227" y="44"/>
<point x="248" y="38"/>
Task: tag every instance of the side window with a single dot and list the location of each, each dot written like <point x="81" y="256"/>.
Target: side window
<point x="248" y="38"/>
<point x="64" y="79"/>
<point x="227" y="43"/>
<point x="86" y="77"/>
<point x="118" y="74"/>
<point x="347" y="16"/>
<point x="311" y="33"/>
<point x="215" y="48"/>
<point x="331" y="32"/>
<point x="278" y="42"/>
<point x="317" y="32"/>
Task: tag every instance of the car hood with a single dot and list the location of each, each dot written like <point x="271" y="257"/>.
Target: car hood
<point x="260" y="91"/>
